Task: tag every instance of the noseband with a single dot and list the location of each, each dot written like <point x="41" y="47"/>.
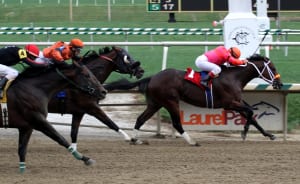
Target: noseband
<point x="272" y="76"/>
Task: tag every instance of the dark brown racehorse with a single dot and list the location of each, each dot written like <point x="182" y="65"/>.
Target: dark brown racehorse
<point x="168" y="87"/>
<point x="78" y="103"/>
<point x="28" y="97"/>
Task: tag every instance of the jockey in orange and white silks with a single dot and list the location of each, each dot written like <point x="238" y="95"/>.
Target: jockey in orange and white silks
<point x="60" y="51"/>
<point x="212" y="59"/>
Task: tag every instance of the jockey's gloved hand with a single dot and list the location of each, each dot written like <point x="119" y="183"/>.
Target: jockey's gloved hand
<point x="245" y="61"/>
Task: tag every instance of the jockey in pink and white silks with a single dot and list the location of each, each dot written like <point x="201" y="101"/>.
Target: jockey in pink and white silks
<point x="212" y="59"/>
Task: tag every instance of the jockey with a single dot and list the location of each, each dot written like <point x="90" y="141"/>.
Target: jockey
<point x="212" y="59"/>
<point x="60" y="51"/>
<point x="11" y="55"/>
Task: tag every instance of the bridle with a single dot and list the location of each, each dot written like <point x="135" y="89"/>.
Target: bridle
<point x="272" y="76"/>
<point x="90" y="90"/>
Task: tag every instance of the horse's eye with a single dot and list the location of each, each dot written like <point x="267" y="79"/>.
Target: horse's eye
<point x="126" y="59"/>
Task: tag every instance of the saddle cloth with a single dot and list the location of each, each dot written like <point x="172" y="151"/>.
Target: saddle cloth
<point x="195" y="77"/>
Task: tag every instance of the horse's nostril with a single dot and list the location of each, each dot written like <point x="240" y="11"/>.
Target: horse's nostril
<point x="104" y="92"/>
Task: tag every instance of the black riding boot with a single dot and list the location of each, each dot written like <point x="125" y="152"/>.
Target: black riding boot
<point x="2" y="85"/>
<point x="205" y="80"/>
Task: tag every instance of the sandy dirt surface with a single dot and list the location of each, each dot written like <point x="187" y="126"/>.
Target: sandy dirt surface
<point x="226" y="160"/>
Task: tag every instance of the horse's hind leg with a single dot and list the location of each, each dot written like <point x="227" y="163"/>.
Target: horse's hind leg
<point x="146" y="115"/>
<point x="24" y="136"/>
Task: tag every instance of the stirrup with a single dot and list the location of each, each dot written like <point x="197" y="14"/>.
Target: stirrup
<point x="204" y="83"/>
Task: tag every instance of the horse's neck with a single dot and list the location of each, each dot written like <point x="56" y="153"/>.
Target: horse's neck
<point x="101" y="68"/>
<point x="242" y="75"/>
<point x="46" y="84"/>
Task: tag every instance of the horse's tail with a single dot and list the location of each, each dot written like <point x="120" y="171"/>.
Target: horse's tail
<point x="124" y="84"/>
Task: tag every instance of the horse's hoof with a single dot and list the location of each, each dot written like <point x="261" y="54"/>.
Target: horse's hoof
<point x="272" y="137"/>
<point x="89" y="162"/>
<point x="243" y="135"/>
<point x="138" y="142"/>
<point x="196" y="144"/>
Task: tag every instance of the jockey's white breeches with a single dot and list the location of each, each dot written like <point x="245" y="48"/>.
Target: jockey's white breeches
<point x="8" y="72"/>
<point x="204" y="65"/>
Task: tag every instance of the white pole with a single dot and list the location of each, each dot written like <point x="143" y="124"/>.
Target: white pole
<point x="165" y="57"/>
<point x="77" y="3"/>
<point x="71" y="11"/>
<point x="58" y="1"/>
<point x="21" y="1"/>
<point x="108" y="10"/>
<point x="40" y="1"/>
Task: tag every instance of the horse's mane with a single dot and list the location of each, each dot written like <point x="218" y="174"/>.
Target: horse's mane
<point x="257" y="57"/>
<point x="34" y="72"/>
<point x="92" y="54"/>
<point x="105" y="50"/>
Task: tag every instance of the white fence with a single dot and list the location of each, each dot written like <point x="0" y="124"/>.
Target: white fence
<point x="164" y="44"/>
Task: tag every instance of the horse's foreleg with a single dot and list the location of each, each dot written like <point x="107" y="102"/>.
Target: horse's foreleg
<point x="45" y="127"/>
<point x="76" y="120"/>
<point x="24" y="136"/>
<point x="248" y="114"/>
<point x="98" y="113"/>
<point x="261" y="130"/>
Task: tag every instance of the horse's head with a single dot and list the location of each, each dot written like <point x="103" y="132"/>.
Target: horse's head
<point x="124" y="63"/>
<point x="85" y="80"/>
<point x="266" y="70"/>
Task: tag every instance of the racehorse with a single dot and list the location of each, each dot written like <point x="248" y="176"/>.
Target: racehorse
<point x="78" y="103"/>
<point x="28" y="97"/>
<point x="167" y="87"/>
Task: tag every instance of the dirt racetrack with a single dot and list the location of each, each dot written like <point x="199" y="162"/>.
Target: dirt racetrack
<point x="164" y="161"/>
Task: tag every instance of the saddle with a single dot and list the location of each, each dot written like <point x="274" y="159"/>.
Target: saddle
<point x="195" y="77"/>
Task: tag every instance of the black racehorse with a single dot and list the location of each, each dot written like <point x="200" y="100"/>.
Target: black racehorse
<point x="28" y="97"/>
<point x="78" y="103"/>
<point x="168" y="87"/>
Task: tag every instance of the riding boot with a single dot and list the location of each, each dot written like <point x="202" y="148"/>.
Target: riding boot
<point x="2" y="85"/>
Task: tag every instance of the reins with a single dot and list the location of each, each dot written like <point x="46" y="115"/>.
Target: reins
<point x="266" y="67"/>
<point x="90" y="90"/>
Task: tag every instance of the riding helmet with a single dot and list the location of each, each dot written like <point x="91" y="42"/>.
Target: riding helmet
<point x="235" y="52"/>
<point x="76" y="43"/>
<point x="32" y="50"/>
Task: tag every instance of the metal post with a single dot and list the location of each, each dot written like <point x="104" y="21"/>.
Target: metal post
<point x="108" y="11"/>
<point x="71" y="11"/>
<point x="165" y="57"/>
<point x="285" y="114"/>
